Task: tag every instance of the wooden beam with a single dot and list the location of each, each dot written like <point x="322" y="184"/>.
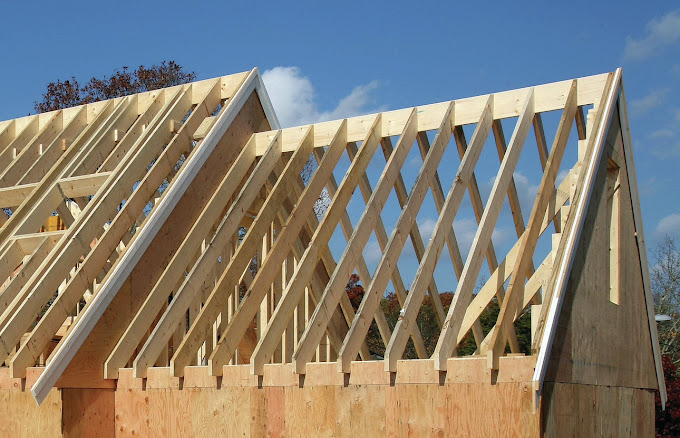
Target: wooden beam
<point x="174" y="271"/>
<point x="642" y="246"/>
<point x="303" y="272"/>
<point x="552" y="300"/>
<point x="374" y="292"/>
<point x="409" y="313"/>
<point x="504" y="269"/>
<point x="33" y="150"/>
<point x="45" y="280"/>
<point x="50" y="156"/>
<point x="338" y="280"/>
<point x="184" y="296"/>
<point x="445" y="344"/>
<point x="548" y="97"/>
<point x="382" y="238"/>
<point x="246" y="310"/>
<point x="80" y="331"/>
<point x="513" y="298"/>
<point x="243" y="255"/>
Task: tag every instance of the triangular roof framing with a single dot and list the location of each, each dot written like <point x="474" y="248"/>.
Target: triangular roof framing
<point x="153" y="190"/>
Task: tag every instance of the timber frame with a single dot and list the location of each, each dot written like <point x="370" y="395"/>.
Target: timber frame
<point x="193" y="254"/>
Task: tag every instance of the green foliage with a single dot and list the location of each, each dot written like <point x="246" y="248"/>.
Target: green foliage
<point x="429" y="325"/>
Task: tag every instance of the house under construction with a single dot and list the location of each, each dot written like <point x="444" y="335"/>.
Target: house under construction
<point x="174" y="264"/>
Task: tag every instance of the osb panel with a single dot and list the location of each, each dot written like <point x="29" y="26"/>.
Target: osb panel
<point x="597" y="341"/>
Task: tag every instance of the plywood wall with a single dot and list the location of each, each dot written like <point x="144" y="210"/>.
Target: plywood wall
<point x="602" y="340"/>
<point x="478" y="408"/>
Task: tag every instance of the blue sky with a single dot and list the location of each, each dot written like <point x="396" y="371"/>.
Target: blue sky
<point x="335" y="59"/>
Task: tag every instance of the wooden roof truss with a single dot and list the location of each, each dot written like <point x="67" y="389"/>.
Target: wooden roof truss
<point x="255" y="278"/>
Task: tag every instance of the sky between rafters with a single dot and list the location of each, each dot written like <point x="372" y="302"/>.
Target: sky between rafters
<point x="331" y="60"/>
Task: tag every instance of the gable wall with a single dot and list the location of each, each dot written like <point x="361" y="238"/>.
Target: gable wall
<point x="597" y="341"/>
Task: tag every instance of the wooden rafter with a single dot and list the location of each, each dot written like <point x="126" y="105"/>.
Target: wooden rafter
<point x="245" y="270"/>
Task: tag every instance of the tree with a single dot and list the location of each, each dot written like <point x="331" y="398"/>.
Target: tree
<point x="665" y="278"/>
<point x="667" y="422"/>
<point x="123" y="82"/>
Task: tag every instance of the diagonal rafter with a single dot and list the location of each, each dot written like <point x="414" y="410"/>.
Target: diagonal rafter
<point x="445" y="344"/>
<point x="184" y="296"/>
<point x="397" y="344"/>
<point x="336" y="286"/>
<point x="515" y="292"/>
<point x="244" y="253"/>
<point x="291" y="297"/>
<point x="174" y="272"/>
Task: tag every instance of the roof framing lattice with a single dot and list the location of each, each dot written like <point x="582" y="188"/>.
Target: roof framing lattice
<point x="191" y="237"/>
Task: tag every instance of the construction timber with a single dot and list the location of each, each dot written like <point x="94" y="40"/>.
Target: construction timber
<point x="175" y="264"/>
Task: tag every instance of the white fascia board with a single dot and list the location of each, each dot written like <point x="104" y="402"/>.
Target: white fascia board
<point x="573" y="236"/>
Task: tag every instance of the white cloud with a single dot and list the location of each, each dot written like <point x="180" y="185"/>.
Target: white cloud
<point x="465" y="229"/>
<point x="295" y="100"/>
<point x="669" y="225"/>
<point x="652" y="100"/>
<point x="426" y="227"/>
<point x="661" y="32"/>
<point x="662" y="133"/>
<point x="526" y="191"/>
<point x="561" y="176"/>
<point x="372" y="252"/>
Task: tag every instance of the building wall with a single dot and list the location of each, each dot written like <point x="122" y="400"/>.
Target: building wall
<point x="601" y="377"/>
<point x="369" y="404"/>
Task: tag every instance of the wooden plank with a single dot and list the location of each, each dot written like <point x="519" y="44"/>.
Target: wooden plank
<point x="548" y="97"/>
<point x="174" y="271"/>
<point x="364" y="274"/>
<point x="513" y="298"/>
<point x="88" y="412"/>
<point x="642" y="246"/>
<point x="555" y="292"/>
<point x="51" y="154"/>
<point x="381" y="235"/>
<point x="243" y="255"/>
<point x="445" y="344"/>
<point x="12" y="290"/>
<point x="185" y="295"/>
<point x="376" y="288"/>
<point x="505" y="268"/>
<point x="395" y="348"/>
<point x="77" y="335"/>
<point x="10" y="259"/>
<point x="32" y="150"/>
<point x="303" y="272"/>
<point x="245" y="312"/>
<point x="14" y="149"/>
<point x="41" y="285"/>
<point x="338" y="280"/>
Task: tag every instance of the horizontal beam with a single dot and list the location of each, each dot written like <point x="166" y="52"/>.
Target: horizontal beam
<point x="548" y="97"/>
<point x="73" y="187"/>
